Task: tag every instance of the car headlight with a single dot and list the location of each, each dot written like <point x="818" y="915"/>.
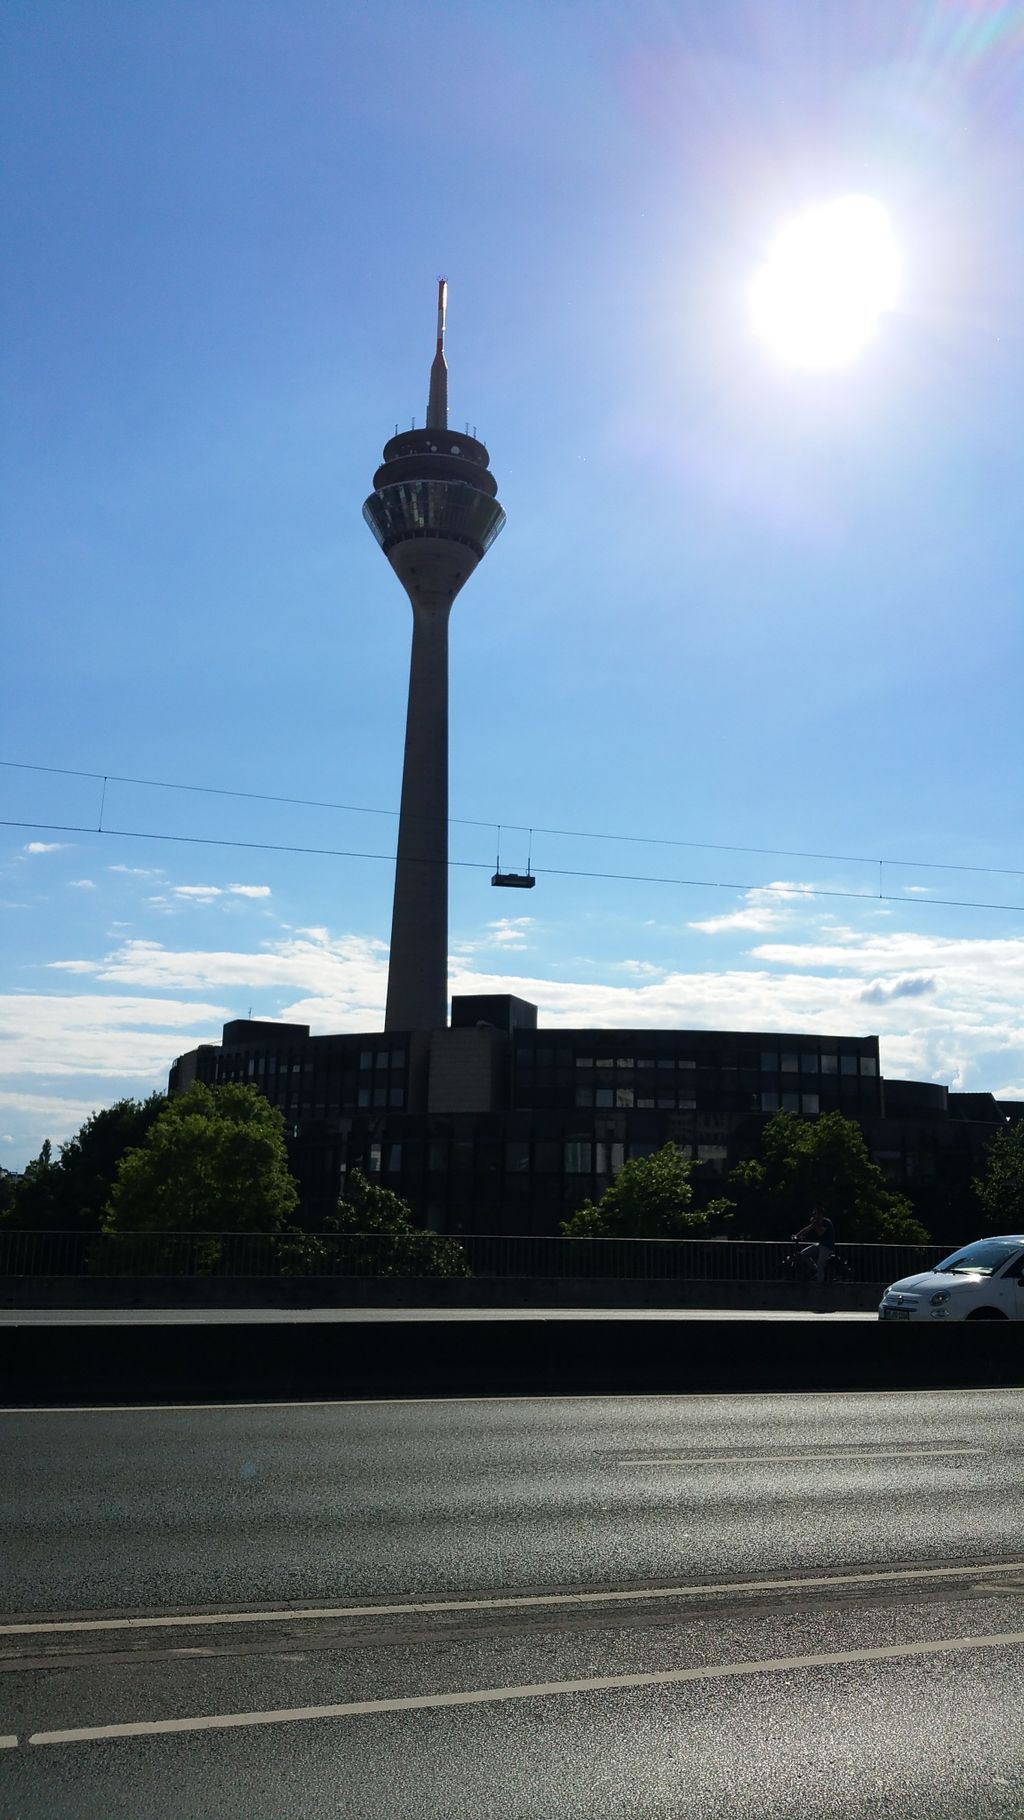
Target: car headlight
<point x="941" y="1295"/>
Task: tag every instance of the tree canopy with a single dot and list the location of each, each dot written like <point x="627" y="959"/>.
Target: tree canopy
<point x="650" y="1198"/>
<point x="823" y="1162"/>
<point x="1000" y="1191"/>
<point x="396" y="1246"/>
<point x="214" y="1160"/>
<point x="70" y="1193"/>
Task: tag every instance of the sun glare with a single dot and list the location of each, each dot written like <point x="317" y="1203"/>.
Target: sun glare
<point x="828" y="277"/>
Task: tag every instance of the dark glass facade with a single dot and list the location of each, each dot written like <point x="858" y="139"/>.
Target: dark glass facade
<point x="565" y="1109"/>
<point x="434" y="508"/>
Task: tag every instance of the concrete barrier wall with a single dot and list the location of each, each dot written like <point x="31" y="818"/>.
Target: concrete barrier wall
<point x="425" y="1292"/>
<point x="142" y="1362"/>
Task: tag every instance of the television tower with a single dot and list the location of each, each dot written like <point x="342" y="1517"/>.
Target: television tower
<point x="434" y="512"/>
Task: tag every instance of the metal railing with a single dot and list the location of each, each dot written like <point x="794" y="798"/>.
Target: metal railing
<point x="418" y="1253"/>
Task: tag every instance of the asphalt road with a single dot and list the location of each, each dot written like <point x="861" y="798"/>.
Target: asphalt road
<point x="746" y="1606"/>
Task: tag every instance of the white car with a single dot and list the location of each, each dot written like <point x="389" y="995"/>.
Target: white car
<point x="983" y="1282"/>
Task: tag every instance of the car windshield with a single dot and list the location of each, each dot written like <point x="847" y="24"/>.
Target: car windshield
<point x="982" y="1259"/>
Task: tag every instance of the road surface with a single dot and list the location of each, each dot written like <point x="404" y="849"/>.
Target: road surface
<point x="768" y="1606"/>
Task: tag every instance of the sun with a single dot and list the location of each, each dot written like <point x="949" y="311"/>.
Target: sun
<point x="829" y="276"/>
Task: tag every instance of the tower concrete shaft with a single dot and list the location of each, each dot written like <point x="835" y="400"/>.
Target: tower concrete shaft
<point x="434" y="512"/>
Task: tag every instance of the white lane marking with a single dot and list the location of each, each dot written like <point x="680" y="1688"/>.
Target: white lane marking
<point x="512" y="1602"/>
<point x="772" y="1459"/>
<point x="480" y="1696"/>
<point x="597" y="1396"/>
<point x="8" y="1743"/>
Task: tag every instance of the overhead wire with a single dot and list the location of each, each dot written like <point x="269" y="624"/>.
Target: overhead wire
<point x="786" y="892"/>
<point x="643" y="840"/>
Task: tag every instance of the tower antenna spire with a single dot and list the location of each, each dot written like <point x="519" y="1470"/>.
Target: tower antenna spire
<point x="437" y="403"/>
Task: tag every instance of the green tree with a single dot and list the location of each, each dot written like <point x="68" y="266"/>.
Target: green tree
<point x="71" y="1194"/>
<point x="33" y="1203"/>
<point x="824" y="1162"/>
<point x="214" y="1160"/>
<point x="9" y="1184"/>
<point x="1000" y="1191"/>
<point x="396" y="1247"/>
<point x="650" y="1198"/>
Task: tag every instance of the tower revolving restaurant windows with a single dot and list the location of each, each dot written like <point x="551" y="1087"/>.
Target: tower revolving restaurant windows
<point x="433" y="508"/>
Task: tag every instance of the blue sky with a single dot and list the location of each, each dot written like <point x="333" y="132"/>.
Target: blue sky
<point x="736" y="603"/>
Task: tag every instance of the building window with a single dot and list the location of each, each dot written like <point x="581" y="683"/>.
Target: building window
<point x="380" y="1096"/>
<point x="381" y="1058"/>
<point x="604" y="1061"/>
<point x="364" y="1096"/>
<point x="584" y="1096"/>
<point x="624" y="1096"/>
<point x="791" y="1102"/>
<point x="830" y="1064"/>
<point x="712" y="1153"/>
<point x="789" y="1062"/>
<point x="584" y="1061"/>
<point x="666" y="1102"/>
<point x="769" y="1102"/>
<point x="398" y="1058"/>
<point x="517" y="1156"/>
<point x="396" y="1098"/>
<point x="373" y="1159"/>
<point x="645" y="1061"/>
<point x="687" y="1061"/>
<point x="666" y="1061"/>
<point x="645" y="1105"/>
<point x="394" y="1159"/>
<point x="545" y="1058"/>
<point x="769" y="1061"/>
<point x="808" y="1063"/>
<point x="809" y="1103"/>
<point x="604" y="1096"/>
<point x="687" y="1102"/>
<point x="624" y="1061"/>
<point x="577" y="1158"/>
<point x="848" y="1064"/>
<point x="868" y="1065"/>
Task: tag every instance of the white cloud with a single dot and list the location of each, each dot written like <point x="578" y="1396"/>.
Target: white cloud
<point x="82" y="884"/>
<point x="46" y="846"/>
<point x="921" y="889"/>
<point x="347" y="978"/>
<point x="507" y="932"/>
<point x="765" y="907"/>
<point x="138" y="871"/>
<point x="206" y="894"/>
<point x="945" y="1008"/>
<point x="909" y="985"/>
<point x="107" y="1037"/>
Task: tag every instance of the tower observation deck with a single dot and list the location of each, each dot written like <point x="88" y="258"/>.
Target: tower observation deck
<point x="434" y="511"/>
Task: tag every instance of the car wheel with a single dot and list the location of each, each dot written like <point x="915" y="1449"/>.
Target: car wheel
<point x="986" y="1314"/>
